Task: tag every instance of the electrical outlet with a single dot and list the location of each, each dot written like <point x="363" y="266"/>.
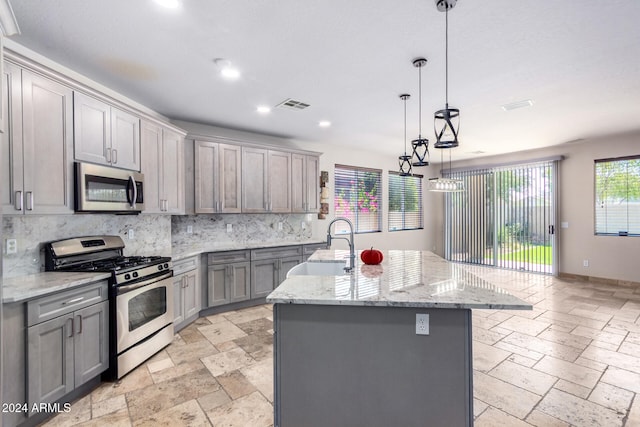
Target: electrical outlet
<point x="585" y="263"/>
<point x="229" y="228"/>
<point x="189" y="229"/>
<point x="131" y="234"/>
<point x="279" y="226"/>
<point x="11" y="246"/>
<point x="422" y="324"/>
<point x="303" y="225"/>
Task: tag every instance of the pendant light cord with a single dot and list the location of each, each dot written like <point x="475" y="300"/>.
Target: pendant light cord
<point x="420" y="102"/>
<point x="405" y="125"/>
<point x="446" y="58"/>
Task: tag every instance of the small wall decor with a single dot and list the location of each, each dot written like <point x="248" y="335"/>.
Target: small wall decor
<point x="324" y="195"/>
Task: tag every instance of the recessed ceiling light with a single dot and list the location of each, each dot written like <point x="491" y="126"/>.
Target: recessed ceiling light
<point x="517" y="104"/>
<point x="263" y="109"/>
<point x="169" y="4"/>
<point x="324" y="123"/>
<point x="227" y="70"/>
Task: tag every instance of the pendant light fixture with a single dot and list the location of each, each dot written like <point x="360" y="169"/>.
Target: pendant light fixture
<point x="446" y="185"/>
<point x="447" y="121"/>
<point x="420" y="146"/>
<point x="404" y="161"/>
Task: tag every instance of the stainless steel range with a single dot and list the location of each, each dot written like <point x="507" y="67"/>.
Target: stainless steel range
<point x="140" y="295"/>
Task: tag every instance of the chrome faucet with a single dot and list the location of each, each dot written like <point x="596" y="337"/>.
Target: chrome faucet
<point x="352" y="250"/>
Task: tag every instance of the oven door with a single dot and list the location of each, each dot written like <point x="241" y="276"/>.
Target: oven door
<point x="142" y="309"/>
<point x="107" y="189"/>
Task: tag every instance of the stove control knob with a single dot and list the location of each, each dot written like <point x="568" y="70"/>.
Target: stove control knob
<point x="160" y="267"/>
<point x="166" y="265"/>
<point x="127" y="276"/>
<point x="135" y="274"/>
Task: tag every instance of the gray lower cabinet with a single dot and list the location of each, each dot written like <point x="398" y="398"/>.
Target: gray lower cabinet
<point x="67" y="341"/>
<point x="186" y="291"/>
<point x="269" y="267"/>
<point x="310" y="248"/>
<point x="228" y="275"/>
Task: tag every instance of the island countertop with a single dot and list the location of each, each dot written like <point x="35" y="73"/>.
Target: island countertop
<point x="405" y="278"/>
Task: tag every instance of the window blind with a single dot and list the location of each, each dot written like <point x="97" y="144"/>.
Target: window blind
<point x="405" y="202"/>
<point x="357" y="197"/>
<point x="617" y="198"/>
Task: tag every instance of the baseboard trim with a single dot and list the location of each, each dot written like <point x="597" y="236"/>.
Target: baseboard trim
<point x="604" y="280"/>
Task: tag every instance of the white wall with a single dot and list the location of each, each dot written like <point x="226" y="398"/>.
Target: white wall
<point x="610" y="257"/>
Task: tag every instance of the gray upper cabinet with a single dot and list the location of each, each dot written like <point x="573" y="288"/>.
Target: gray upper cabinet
<point x="266" y="180"/>
<point x="163" y="169"/>
<point x="37" y="174"/>
<point x="105" y="134"/>
<point x="305" y="183"/>
<point x="218" y="177"/>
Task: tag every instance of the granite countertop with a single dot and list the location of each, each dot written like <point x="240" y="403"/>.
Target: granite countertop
<point x="405" y="278"/>
<point x="23" y="288"/>
<point x="187" y="250"/>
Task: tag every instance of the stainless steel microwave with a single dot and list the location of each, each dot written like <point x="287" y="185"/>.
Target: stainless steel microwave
<point x="106" y="189"/>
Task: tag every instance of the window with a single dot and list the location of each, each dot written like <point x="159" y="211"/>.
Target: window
<point x="405" y="202"/>
<point x="618" y="196"/>
<point x="357" y="197"/>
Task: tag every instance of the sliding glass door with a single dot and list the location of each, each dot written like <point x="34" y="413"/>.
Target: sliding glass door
<point x="505" y="218"/>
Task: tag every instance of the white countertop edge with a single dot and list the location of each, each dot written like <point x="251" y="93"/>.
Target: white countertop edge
<point x="199" y="249"/>
<point x="413" y="304"/>
<point x="24" y="288"/>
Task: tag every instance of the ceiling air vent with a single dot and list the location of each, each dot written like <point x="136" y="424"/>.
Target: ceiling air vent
<point x="517" y="104"/>
<point x="292" y="104"/>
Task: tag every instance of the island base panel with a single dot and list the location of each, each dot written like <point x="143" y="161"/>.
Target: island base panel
<point x="365" y="366"/>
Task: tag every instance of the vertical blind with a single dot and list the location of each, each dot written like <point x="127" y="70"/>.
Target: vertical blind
<point x="505" y="218"/>
<point x="405" y="202"/>
<point x="617" y="198"/>
<point x="358" y="198"/>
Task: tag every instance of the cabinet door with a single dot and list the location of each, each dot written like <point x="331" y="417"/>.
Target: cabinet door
<point x="172" y="172"/>
<point x="91" y="342"/>
<point x="255" y="180"/>
<point x="217" y="284"/>
<point x="312" y="181"/>
<point x="279" y="181"/>
<point x="264" y="277"/>
<point x="206" y="177"/>
<point x="92" y="129"/>
<point x="191" y="294"/>
<point x="287" y="264"/>
<point x="178" y="303"/>
<point x="125" y="140"/>
<point x="47" y="122"/>
<point x="240" y="281"/>
<point x="230" y="178"/>
<point x="151" y="166"/>
<point x="11" y="174"/>
<point x="298" y="182"/>
<point x="50" y="360"/>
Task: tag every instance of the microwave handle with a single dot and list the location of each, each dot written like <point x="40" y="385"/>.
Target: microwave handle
<point x="132" y="183"/>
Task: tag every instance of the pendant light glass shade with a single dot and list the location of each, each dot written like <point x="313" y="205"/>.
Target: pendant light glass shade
<point x="446" y="122"/>
<point x="404" y="161"/>
<point x="420" y="145"/>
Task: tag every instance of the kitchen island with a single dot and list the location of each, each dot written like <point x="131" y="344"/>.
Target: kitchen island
<point x="385" y="345"/>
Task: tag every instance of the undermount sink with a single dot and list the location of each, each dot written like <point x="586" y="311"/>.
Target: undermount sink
<point x="332" y="268"/>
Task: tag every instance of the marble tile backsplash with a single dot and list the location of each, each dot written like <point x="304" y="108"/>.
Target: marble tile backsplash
<point x="152" y="236"/>
<point x="245" y="229"/>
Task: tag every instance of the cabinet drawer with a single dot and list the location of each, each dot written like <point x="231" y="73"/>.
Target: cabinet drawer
<point x="228" y="256"/>
<point x="312" y="247"/>
<point x="281" y="252"/>
<point x="185" y="265"/>
<point x="51" y="306"/>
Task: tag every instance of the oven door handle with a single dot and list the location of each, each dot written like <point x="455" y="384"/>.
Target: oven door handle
<point x="128" y="288"/>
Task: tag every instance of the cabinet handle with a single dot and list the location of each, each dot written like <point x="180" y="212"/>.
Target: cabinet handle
<point x="217" y="206"/>
<point x="108" y="156"/>
<point x="184" y="281"/>
<point x="115" y="156"/>
<point x="79" y="324"/>
<point x="18" y="203"/>
<point x="71" y="329"/>
<point x="29" y="195"/>
<point x="71" y="301"/>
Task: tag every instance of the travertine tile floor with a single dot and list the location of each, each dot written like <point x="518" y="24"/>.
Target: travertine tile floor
<point x="574" y="360"/>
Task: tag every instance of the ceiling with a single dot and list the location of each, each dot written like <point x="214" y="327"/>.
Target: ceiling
<point x="577" y="60"/>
